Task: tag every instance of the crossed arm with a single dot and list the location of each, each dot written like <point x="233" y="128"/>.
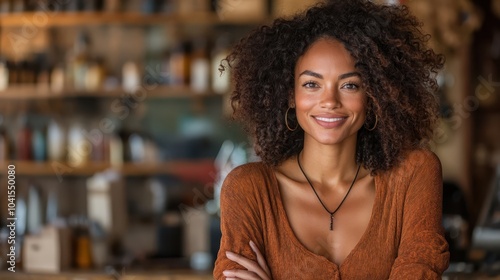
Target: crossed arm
<point x="254" y="270"/>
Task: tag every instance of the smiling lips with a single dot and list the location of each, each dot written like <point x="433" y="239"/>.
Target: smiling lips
<point x="330" y="122"/>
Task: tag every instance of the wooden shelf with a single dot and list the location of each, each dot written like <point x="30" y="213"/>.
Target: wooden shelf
<point x="201" y="170"/>
<point x="35" y="92"/>
<point x="66" y="19"/>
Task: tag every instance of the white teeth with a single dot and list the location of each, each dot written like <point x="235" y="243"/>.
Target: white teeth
<point x="329" y="119"/>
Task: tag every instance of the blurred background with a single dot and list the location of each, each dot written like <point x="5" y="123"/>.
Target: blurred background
<point x="115" y="133"/>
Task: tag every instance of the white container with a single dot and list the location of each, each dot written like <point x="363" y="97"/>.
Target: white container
<point x="57" y="79"/>
<point x="55" y="141"/>
<point x="79" y="147"/>
<point x="115" y="151"/>
<point x="200" y="69"/>
<point x="131" y="77"/>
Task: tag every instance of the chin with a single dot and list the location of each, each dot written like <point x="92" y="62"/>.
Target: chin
<point x="328" y="140"/>
<point x="333" y="139"/>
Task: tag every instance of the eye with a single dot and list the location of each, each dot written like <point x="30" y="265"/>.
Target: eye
<point x="350" y="86"/>
<point x="310" y="84"/>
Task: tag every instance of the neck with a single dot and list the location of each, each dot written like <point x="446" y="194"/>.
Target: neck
<point x="329" y="165"/>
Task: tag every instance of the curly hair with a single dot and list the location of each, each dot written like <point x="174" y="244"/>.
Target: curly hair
<point x="390" y="51"/>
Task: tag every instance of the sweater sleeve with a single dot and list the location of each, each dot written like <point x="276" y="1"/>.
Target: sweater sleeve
<point x="423" y="250"/>
<point x="240" y="218"/>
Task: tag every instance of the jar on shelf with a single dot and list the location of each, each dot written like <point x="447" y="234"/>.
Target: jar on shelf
<point x="179" y="62"/>
<point x="131" y="77"/>
<point x="55" y="141"/>
<point x="200" y="68"/>
<point x="79" y="148"/>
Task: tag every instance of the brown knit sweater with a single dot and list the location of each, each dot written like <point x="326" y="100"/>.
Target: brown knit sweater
<point x="403" y="240"/>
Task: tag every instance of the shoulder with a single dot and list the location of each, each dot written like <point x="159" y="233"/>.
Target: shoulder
<point x="420" y="165"/>
<point x="248" y="172"/>
<point x="419" y="160"/>
<point x="247" y="177"/>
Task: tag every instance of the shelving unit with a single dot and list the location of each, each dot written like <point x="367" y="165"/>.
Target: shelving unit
<point x="65" y="19"/>
<point x="115" y="40"/>
<point x="61" y="19"/>
<point x="30" y="92"/>
<point x="181" y="168"/>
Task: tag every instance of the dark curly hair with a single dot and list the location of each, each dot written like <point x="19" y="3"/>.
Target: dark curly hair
<point x="398" y="71"/>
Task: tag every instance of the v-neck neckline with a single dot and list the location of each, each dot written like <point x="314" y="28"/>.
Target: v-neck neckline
<point x="298" y="244"/>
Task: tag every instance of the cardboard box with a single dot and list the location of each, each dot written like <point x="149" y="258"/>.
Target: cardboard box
<point x="49" y="251"/>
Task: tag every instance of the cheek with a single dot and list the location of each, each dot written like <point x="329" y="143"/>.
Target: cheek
<point x="358" y="107"/>
<point x="303" y="106"/>
<point x="304" y="99"/>
<point x="301" y="102"/>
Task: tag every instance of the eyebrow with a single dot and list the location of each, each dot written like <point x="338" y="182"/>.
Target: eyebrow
<point x="319" y="76"/>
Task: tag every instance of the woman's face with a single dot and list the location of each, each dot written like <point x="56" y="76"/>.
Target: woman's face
<point x="329" y="98"/>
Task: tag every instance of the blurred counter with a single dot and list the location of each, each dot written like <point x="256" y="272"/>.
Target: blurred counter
<point x="154" y="275"/>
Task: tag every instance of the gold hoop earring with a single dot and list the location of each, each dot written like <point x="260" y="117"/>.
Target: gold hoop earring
<point x="374" y="126"/>
<point x="286" y="121"/>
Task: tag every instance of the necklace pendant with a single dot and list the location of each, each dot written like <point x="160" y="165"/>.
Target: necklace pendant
<point x="331" y="221"/>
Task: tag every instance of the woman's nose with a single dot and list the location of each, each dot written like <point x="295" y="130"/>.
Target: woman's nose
<point x="330" y="98"/>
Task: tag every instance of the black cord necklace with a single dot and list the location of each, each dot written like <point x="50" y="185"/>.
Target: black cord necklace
<point x="338" y="207"/>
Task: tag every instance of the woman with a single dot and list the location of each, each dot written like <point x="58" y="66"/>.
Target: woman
<point x="340" y="102"/>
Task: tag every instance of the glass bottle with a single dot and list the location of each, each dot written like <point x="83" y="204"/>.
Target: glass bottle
<point x="4" y="141"/>
<point x="13" y="68"/>
<point x="79" y="61"/>
<point x="43" y="72"/>
<point x="200" y="68"/>
<point x="55" y="141"/>
<point x="79" y="148"/>
<point x="116" y="155"/>
<point x="179" y="65"/>
<point x="39" y="144"/>
<point x="95" y="75"/>
<point x="131" y="77"/>
<point x="24" y="151"/>
<point x="57" y="79"/>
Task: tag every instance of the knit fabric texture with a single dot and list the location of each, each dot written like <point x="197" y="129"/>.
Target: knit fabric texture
<point x="403" y="240"/>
